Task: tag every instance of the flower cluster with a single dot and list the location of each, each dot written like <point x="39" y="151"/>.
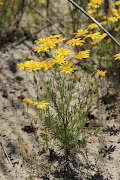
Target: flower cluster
<point x="113" y="13"/>
<point x="101" y="73"/>
<point x="95" y="3"/>
<point x="48" y="43"/>
<point x="82" y="54"/>
<point x="40" y="104"/>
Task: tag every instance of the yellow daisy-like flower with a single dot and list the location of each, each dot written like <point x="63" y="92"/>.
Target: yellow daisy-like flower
<point x="109" y="41"/>
<point x="90" y="11"/>
<point x="117" y="13"/>
<point x="117" y="56"/>
<point x="55" y="36"/>
<point x="40" y="49"/>
<point x="94" y="37"/>
<point x="59" y="59"/>
<point x="49" y="44"/>
<point x="102" y="36"/>
<point x="42" y="64"/>
<point x="1" y="3"/>
<point x="62" y="52"/>
<point x="41" y="104"/>
<point x="93" y="34"/>
<point x="101" y="73"/>
<point x="67" y="68"/>
<point x="103" y="23"/>
<point x="48" y="65"/>
<point x="81" y="32"/>
<point x="76" y="42"/>
<point x="32" y="66"/>
<point x="117" y="29"/>
<point x="82" y="54"/>
<point x="56" y="41"/>
<point x="95" y="3"/>
<point x="21" y="66"/>
<point x="28" y="101"/>
<point x="41" y="40"/>
<point x="92" y="26"/>
<point x="42" y="1"/>
<point x="113" y="19"/>
<point x="117" y="3"/>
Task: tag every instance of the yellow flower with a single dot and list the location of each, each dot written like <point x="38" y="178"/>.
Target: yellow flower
<point x="92" y="26"/>
<point x="32" y="66"/>
<point x="1" y="3"/>
<point x="81" y="32"/>
<point x="109" y="41"/>
<point x="82" y="54"/>
<point x="48" y="65"/>
<point x="117" y="29"/>
<point x="28" y="101"/>
<point x="102" y="36"/>
<point x="42" y="64"/>
<point x="59" y="59"/>
<point x="56" y="41"/>
<point x="95" y="3"/>
<point x="62" y="52"/>
<point x="90" y="11"/>
<point x="117" y="56"/>
<point x="103" y="23"/>
<point x="117" y="3"/>
<point x="55" y="36"/>
<point x="40" y="49"/>
<point x="21" y="66"/>
<point x="42" y="1"/>
<point x="41" y="40"/>
<point x="117" y="13"/>
<point x="113" y="19"/>
<point x="68" y="60"/>
<point x="67" y="68"/>
<point x="49" y="44"/>
<point x="77" y="42"/>
<point x="41" y="104"/>
<point x="101" y="73"/>
<point x="92" y="35"/>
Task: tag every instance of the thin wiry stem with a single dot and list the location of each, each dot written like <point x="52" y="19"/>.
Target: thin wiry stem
<point x="47" y="19"/>
<point x="95" y="21"/>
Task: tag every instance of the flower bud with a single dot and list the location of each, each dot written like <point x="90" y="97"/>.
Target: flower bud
<point x="35" y="120"/>
<point x="26" y="148"/>
<point x="79" y="109"/>
<point x="90" y="105"/>
<point x="45" y="94"/>
<point x="74" y="78"/>
<point x="41" y="59"/>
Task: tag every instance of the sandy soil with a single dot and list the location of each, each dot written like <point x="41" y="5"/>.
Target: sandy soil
<point x="106" y="115"/>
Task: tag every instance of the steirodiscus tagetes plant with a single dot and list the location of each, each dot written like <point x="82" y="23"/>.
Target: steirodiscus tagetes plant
<point x="63" y="99"/>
